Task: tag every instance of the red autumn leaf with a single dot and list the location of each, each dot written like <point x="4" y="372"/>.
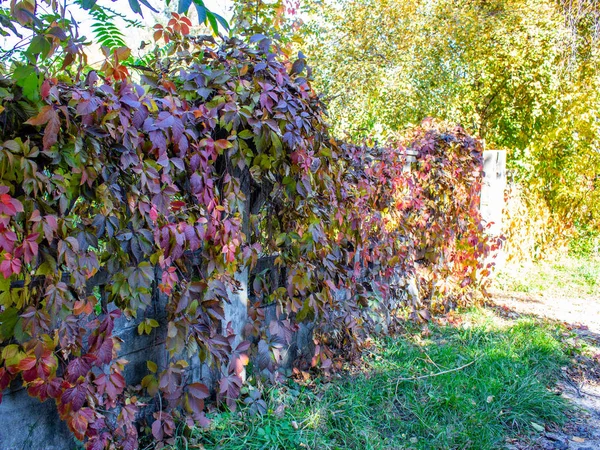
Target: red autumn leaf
<point x="30" y="247"/>
<point x="38" y="388"/>
<point x="8" y="205"/>
<point x="229" y="387"/>
<point x="48" y="116"/>
<point x="115" y="385"/>
<point x="105" y="351"/>
<point x="79" y="422"/>
<point x="10" y="265"/>
<point x="8" y="239"/>
<point x="96" y="443"/>
<point x="5" y="378"/>
<point x="79" y="367"/>
<point x="157" y="430"/>
<point x="198" y="390"/>
<point x="26" y="363"/>
<point x="82" y="307"/>
<point x="49" y="225"/>
<point x="75" y="396"/>
<point x="112" y="385"/>
<point x="54" y="387"/>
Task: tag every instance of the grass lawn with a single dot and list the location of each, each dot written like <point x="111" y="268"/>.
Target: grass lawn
<point x="565" y="276"/>
<point x="503" y="391"/>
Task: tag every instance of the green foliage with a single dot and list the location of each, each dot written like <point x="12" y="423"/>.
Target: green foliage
<point x="279" y="19"/>
<point x="204" y="14"/>
<point x="586" y="244"/>
<point x="499" y="395"/>
<point x="520" y="74"/>
<point x="106" y="30"/>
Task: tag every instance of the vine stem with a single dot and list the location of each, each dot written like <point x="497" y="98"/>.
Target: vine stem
<point x="437" y="374"/>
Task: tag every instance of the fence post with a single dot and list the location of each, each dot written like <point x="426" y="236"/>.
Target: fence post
<point x="492" y="200"/>
<point x="236" y="310"/>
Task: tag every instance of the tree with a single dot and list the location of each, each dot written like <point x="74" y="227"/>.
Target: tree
<point x="521" y="74"/>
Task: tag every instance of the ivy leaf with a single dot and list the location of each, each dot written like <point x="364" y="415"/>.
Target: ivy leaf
<point x="39" y="46"/>
<point x="157" y="430"/>
<point x="198" y="390"/>
<point x="88" y="4"/>
<point x="78" y="367"/>
<point x="48" y="116"/>
<point x="80" y="421"/>
<point x="229" y="387"/>
<point x="184" y="5"/>
<point x="104" y="352"/>
<point x="27" y="78"/>
<point x="75" y="396"/>
<point x="8" y="321"/>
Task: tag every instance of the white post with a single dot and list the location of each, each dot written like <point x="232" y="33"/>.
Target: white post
<point x="492" y="201"/>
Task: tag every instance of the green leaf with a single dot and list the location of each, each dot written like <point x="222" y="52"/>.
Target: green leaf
<point x="8" y="321"/>
<point x="213" y="22"/>
<point x="88" y="4"/>
<point x="201" y="9"/>
<point x="222" y="21"/>
<point x="245" y="134"/>
<point x="184" y="5"/>
<point x="537" y="427"/>
<point x="152" y="367"/>
<point x="4" y="282"/>
<point x="27" y="79"/>
<point x="39" y="46"/>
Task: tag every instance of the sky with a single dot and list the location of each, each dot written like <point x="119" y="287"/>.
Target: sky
<point x="221" y="7"/>
<point x="133" y="37"/>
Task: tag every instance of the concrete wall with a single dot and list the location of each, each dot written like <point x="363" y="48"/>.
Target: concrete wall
<point x="27" y="424"/>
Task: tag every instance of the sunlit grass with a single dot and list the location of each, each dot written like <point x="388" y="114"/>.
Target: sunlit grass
<point x="566" y="276"/>
<point x="504" y="388"/>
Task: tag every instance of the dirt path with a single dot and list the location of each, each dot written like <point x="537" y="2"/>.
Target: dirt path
<point x="578" y="312"/>
<point x="581" y="382"/>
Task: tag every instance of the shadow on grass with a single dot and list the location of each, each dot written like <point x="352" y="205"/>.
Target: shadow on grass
<point x="584" y="344"/>
<point x="504" y="390"/>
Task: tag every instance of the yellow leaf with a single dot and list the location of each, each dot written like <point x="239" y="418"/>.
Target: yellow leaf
<point x="152" y="367"/>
